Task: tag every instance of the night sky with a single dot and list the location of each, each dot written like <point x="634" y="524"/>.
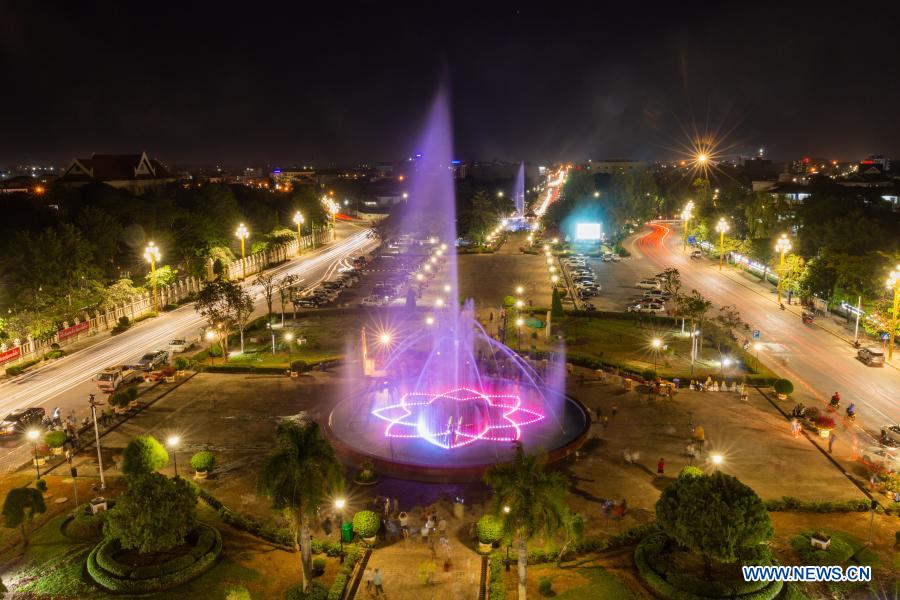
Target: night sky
<point x="252" y="83"/>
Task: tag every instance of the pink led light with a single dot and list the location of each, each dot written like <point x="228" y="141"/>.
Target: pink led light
<point x="501" y="418"/>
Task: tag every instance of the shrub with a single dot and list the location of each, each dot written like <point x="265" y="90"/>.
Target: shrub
<point x="181" y="363"/>
<point x="366" y="472"/>
<point x="21" y="367"/>
<point x="299" y="366"/>
<point x="783" y="387"/>
<point x="55" y="439"/>
<point x="545" y="587"/>
<point x="53" y="355"/>
<point x="319" y="565"/>
<point x="489" y="529"/>
<point x="366" y="523"/>
<point x="41" y="485"/>
<point x="648" y="375"/>
<point x="143" y="454"/>
<point x="131" y="393"/>
<point x="337" y="587"/>
<point x="824" y="422"/>
<point x="317" y="591"/>
<point x="124" y="322"/>
<point x="54" y="346"/>
<point x="119" y="399"/>
<point x="203" y="461"/>
<point x="237" y="593"/>
<point x="215" y="351"/>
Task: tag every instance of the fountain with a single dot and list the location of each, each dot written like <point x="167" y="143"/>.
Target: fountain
<point x="436" y="397"/>
<point x="519" y="192"/>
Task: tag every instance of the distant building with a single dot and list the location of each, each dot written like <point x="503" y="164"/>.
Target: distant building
<point x="133" y="172"/>
<point x="874" y="165"/>
<point x="23" y="184"/>
<point x="295" y="175"/>
<point x="615" y="165"/>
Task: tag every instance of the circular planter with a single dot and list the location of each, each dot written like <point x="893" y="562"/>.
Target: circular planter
<point x="117" y="577"/>
<point x="40" y="461"/>
<point x="782" y="396"/>
<point x="370" y="541"/>
<point x="201" y="474"/>
<point x="484" y="548"/>
<point x="824" y="432"/>
<point x="56" y="451"/>
<point x="373" y="482"/>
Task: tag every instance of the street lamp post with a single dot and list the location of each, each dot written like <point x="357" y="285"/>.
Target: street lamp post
<point x="757" y="346"/>
<point x="340" y="503"/>
<point x="33" y="436"/>
<point x="506" y="511"/>
<point x="717" y="459"/>
<point x="94" y="405"/>
<point x="721" y="227"/>
<point x="242" y="233"/>
<point x="686" y="217"/>
<point x="656" y="343"/>
<point x="289" y="338"/>
<point x="893" y="283"/>
<point x="151" y="254"/>
<point x="519" y="322"/>
<point x="782" y="247"/>
<point x="173" y="443"/>
<point x="298" y="220"/>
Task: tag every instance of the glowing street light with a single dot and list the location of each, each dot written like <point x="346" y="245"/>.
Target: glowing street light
<point x="722" y="227"/>
<point x="555" y="241"/>
<point x="439" y="303"/>
<point x="702" y="158"/>
<point x="172" y="443"/>
<point x="686" y="217"/>
<point x="152" y="255"/>
<point x="444" y="247"/>
<point x="339" y="504"/>
<point x="419" y="277"/>
<point x="289" y="338"/>
<point x="554" y="278"/>
<point x="500" y="194"/>
<point x="384" y="339"/>
<point x="546" y="247"/>
<point x="757" y="346"/>
<point x="298" y="220"/>
<point x="33" y="435"/>
<point x="893" y="283"/>
<point x="447" y="288"/>
<point x="519" y="303"/>
<point x="657" y="344"/>
<point x="520" y="290"/>
<point x="782" y="246"/>
<point x="716" y="459"/>
<point x="429" y="320"/>
<point x="242" y="234"/>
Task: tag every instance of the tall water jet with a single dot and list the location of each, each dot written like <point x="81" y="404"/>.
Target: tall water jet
<point x="519" y="192"/>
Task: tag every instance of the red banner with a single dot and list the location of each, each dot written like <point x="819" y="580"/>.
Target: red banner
<point x="11" y="354"/>
<point x="73" y="330"/>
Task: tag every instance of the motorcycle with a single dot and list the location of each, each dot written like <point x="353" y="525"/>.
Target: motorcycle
<point x="807" y="318"/>
<point x="851" y="412"/>
<point x="799" y="411"/>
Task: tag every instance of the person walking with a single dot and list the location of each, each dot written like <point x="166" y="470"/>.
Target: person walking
<point x="376" y="580"/>
<point x="661" y="467"/>
<point x="368" y="577"/>
<point x="831" y="441"/>
<point x="615" y="409"/>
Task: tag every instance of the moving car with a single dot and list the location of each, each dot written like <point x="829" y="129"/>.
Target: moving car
<point x="178" y="345"/>
<point x="696" y="254"/>
<point x="881" y="457"/>
<point x="647" y="284"/>
<point x="19" y="420"/>
<point x="872" y="356"/>
<point x="153" y="360"/>
<point x="890" y="434"/>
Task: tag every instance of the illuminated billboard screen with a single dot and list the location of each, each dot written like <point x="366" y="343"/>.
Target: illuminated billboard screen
<point x="588" y="231"/>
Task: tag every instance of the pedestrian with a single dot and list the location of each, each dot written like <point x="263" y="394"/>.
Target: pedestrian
<point x="831" y="441"/>
<point x="379" y="591"/>
<point x="368" y="576"/>
<point x="661" y="467"/>
<point x="491" y="317"/>
<point x="615" y="409"/>
<point x="873" y="481"/>
<point x="387" y="507"/>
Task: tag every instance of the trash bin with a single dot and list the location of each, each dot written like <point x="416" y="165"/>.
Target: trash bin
<point x="347" y="532"/>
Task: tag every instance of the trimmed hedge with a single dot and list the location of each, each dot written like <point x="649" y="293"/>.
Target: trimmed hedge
<point x="652" y="545"/>
<point x="245" y="369"/>
<point x="317" y="591"/>
<point x="19" y="368"/>
<point x="495" y="579"/>
<point x="821" y="506"/>
<point x="116" y="577"/>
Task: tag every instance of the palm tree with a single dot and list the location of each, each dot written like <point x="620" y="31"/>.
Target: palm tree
<point x="529" y="500"/>
<point x="297" y="478"/>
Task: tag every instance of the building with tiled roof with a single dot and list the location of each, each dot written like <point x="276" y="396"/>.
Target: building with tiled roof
<point x="133" y="172"/>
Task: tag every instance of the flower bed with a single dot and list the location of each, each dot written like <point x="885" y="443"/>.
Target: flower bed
<point x="119" y="577"/>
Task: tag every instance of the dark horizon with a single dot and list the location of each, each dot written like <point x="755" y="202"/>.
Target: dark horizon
<point x="291" y="86"/>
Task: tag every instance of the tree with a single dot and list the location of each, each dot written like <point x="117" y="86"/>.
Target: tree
<point x="19" y="508"/>
<point x="535" y="499"/>
<point x="284" y="290"/>
<point x="144" y="454"/>
<point x="297" y="478"/>
<point x="556" y="305"/>
<point x="695" y="308"/>
<point x="225" y="305"/>
<point x="119" y="293"/>
<point x="269" y="283"/>
<point x="714" y="515"/>
<point x="154" y="514"/>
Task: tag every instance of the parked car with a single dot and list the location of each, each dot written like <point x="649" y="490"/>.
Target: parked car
<point x="307" y="303"/>
<point x="872" y="356"/>
<point x="659" y="294"/>
<point x="608" y="257"/>
<point x="178" y="345"/>
<point x="881" y="457"/>
<point x="153" y="360"/>
<point x="890" y="434"/>
<point x="22" y="419"/>
<point x="653" y="307"/>
<point x="696" y="254"/>
<point x="647" y="284"/>
<point x="372" y="301"/>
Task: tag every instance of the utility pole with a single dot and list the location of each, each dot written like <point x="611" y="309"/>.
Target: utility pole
<point x="94" y="405"/>
<point x="856" y="331"/>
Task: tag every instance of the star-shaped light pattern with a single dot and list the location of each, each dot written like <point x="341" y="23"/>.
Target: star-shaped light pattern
<point x="457" y="417"/>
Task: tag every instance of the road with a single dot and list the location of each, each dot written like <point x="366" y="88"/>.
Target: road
<point x="66" y="382"/>
<point x="817" y="361"/>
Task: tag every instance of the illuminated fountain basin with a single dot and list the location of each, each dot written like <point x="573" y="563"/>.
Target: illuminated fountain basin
<point x="448" y="402"/>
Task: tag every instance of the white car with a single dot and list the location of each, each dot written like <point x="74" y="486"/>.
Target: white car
<point x="647" y="284"/>
<point x="178" y="345"/>
<point x="373" y="301"/>
<point x="882" y="457"/>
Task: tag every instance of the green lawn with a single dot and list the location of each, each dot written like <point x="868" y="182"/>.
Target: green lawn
<point x="600" y="585"/>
